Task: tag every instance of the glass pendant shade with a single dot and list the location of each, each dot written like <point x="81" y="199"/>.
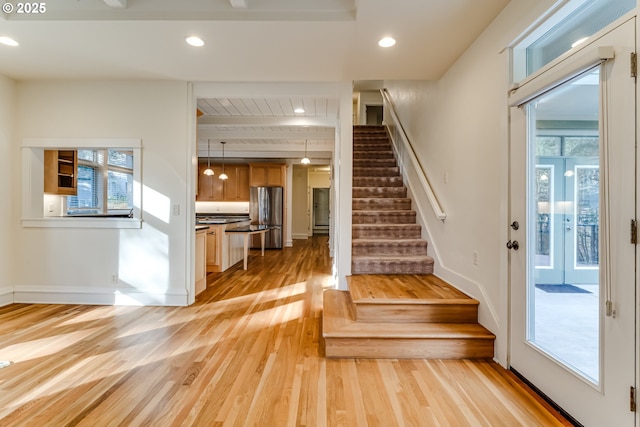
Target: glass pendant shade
<point x="223" y="175"/>
<point x="305" y="160"/>
<point x="208" y="171"/>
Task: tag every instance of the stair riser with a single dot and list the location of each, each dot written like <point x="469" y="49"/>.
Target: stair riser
<point x="362" y="146"/>
<point x="374" y="163"/>
<point x="409" y="232"/>
<point x="384" y="250"/>
<point x="371" y="171"/>
<point x="390" y="267"/>
<point x="378" y="181"/>
<point x="411" y="313"/>
<point x="399" y="348"/>
<point x="384" y="218"/>
<point x="372" y="192"/>
<point x="383" y="155"/>
<point x="381" y="204"/>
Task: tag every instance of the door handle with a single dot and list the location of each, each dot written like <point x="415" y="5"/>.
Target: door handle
<point x="513" y="245"/>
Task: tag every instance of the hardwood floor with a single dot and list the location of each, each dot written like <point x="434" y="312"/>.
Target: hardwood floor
<point x="248" y="353"/>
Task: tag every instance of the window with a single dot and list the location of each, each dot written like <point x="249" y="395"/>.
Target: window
<point x="109" y="184"/>
<point x="105" y="183"/>
<point x="564" y="30"/>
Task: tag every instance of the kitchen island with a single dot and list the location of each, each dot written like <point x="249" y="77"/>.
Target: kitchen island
<point x="223" y="250"/>
<point x="246" y="232"/>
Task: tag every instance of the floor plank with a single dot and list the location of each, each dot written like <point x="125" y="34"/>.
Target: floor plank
<point x="247" y="353"/>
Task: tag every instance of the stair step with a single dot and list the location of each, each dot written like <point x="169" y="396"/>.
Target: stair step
<point x="373" y="171"/>
<point x="384" y="217"/>
<point x="378" y="181"/>
<point x="386" y="231"/>
<point x="374" y="163"/>
<point x="381" y="203"/>
<point x="374" y="192"/>
<point x="371" y="145"/>
<point x="377" y="247"/>
<point x="382" y="154"/>
<point x="409" y="298"/>
<point x="346" y="338"/>
<point x="398" y="264"/>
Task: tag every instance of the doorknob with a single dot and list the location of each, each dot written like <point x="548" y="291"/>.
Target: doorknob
<point x="513" y="245"/>
<point x="515" y="225"/>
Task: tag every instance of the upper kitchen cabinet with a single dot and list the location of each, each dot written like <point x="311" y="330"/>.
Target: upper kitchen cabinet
<point x="236" y="188"/>
<point x="267" y="174"/>
<point x="61" y="172"/>
<point x="233" y="189"/>
<point x="210" y="187"/>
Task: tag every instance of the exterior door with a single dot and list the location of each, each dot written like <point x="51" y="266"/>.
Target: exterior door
<point x="567" y="222"/>
<point x="573" y="340"/>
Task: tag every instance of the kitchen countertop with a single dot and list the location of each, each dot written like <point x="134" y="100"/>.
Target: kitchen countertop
<point x="248" y="228"/>
<point x="218" y="219"/>
<point x="201" y="227"/>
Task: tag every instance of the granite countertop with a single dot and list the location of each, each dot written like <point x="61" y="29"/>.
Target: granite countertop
<point x="248" y="228"/>
<point x="220" y="219"/>
<point x="201" y="227"/>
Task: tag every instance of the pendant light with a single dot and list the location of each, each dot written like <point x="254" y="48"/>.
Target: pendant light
<point x="208" y="171"/>
<point x="305" y="160"/>
<point x="223" y="175"/>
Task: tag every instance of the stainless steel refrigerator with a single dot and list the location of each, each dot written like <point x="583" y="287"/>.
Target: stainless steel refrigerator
<point x="265" y="208"/>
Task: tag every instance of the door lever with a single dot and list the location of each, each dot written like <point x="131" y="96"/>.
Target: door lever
<point x="513" y="245"/>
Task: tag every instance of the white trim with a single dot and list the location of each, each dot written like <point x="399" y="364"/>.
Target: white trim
<point x="97" y="296"/>
<point x="300" y="236"/>
<point x="69" y="222"/>
<point x="81" y="143"/>
<point x="6" y="296"/>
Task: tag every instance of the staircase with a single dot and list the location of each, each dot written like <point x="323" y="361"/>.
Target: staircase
<point x="395" y="307"/>
<point x="386" y="238"/>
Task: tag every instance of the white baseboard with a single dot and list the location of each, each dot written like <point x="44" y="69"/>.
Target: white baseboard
<point x="96" y="296"/>
<point x="6" y="296"/>
<point x="300" y="236"/>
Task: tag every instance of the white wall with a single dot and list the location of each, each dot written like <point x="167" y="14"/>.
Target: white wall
<point x="299" y="203"/>
<point x="459" y="127"/>
<point x="77" y="265"/>
<point x="9" y="183"/>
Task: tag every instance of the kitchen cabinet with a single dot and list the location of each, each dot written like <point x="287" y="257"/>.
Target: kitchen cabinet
<point x="214" y="244"/>
<point x="236" y="188"/>
<point x="61" y="172"/>
<point x="210" y="188"/>
<point x="267" y="174"/>
<point x="233" y="189"/>
<point x="201" y="261"/>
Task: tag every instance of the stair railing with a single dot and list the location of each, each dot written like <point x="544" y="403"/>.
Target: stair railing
<point x="408" y="148"/>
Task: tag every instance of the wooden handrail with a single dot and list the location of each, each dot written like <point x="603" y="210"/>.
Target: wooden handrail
<point x="422" y="176"/>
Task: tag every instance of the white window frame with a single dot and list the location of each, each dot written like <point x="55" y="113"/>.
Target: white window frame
<point x="33" y="182"/>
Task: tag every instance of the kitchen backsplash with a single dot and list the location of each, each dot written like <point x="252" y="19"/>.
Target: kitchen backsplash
<point x="222" y="207"/>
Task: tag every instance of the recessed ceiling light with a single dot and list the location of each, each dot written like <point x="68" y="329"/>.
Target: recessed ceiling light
<point x="387" y="42"/>
<point x="299" y="110"/>
<point x="195" y="41"/>
<point x="8" y="41"/>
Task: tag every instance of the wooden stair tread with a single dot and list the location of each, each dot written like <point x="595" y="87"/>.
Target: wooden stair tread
<point x="339" y="323"/>
<point x="404" y="288"/>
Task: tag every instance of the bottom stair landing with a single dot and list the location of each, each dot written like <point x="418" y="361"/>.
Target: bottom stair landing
<point x="403" y="316"/>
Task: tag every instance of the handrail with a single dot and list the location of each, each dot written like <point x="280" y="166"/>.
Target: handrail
<point x="422" y="176"/>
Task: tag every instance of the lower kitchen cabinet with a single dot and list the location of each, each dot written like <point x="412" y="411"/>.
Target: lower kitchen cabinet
<point x="201" y="261"/>
<point x="213" y="248"/>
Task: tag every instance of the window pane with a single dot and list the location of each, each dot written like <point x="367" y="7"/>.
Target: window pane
<point x="123" y="159"/>
<point x="88" y="155"/>
<point x="548" y="146"/>
<point x="89" y="192"/>
<point x="120" y="193"/>
<point x="587" y="20"/>
<point x="581" y="146"/>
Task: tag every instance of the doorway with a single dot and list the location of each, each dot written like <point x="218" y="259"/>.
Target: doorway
<point x="374" y="114"/>
<point x="321" y="215"/>
<point x="572" y="277"/>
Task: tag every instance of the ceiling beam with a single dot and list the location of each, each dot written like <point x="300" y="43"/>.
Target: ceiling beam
<point x="266" y="134"/>
<point x="116" y="4"/>
<point x="267" y="121"/>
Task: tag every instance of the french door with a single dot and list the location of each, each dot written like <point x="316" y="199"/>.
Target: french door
<point x="573" y="197"/>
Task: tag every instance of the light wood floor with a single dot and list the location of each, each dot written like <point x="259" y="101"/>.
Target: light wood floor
<point x="248" y="353"/>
